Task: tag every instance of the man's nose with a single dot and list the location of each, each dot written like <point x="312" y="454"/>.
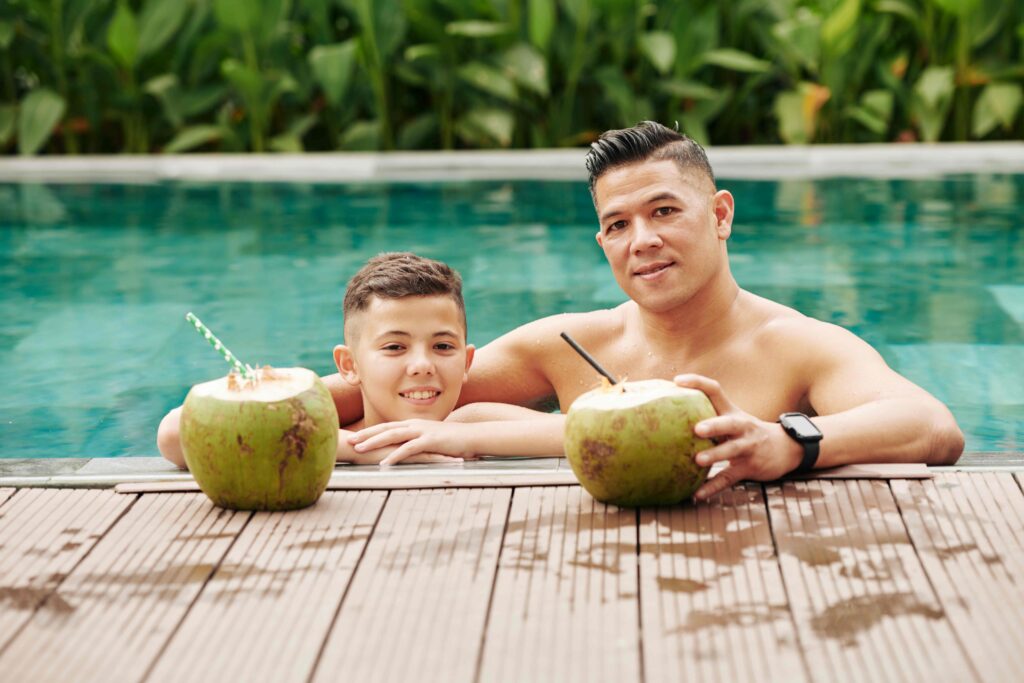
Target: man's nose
<point x="645" y="236"/>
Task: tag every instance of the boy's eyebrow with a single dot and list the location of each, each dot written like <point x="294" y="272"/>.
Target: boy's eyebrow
<point x="402" y="333"/>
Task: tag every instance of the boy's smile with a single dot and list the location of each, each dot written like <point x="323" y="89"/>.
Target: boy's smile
<point x="408" y="356"/>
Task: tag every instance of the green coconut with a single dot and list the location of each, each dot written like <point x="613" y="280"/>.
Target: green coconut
<point x="632" y="444"/>
<point x="263" y="445"/>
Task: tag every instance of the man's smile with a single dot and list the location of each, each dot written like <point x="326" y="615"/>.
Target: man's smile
<point x="649" y="271"/>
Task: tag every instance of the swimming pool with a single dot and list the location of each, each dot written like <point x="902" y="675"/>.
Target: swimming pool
<point x="97" y="278"/>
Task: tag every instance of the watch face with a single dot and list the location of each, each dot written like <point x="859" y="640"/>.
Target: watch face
<point x="801" y="427"/>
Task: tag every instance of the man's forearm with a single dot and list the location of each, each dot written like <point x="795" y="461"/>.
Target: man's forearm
<point x="890" y="430"/>
<point x="540" y="436"/>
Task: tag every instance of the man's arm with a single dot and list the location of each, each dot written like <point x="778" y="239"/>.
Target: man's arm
<point x="865" y="410"/>
<point x="168" y="440"/>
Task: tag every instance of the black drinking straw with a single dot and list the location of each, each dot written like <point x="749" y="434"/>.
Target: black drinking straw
<point x="590" y="359"/>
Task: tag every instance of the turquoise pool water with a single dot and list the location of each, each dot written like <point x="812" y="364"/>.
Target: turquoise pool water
<point x="97" y="279"/>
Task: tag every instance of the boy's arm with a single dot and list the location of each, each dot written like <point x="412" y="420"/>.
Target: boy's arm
<point x="539" y="435"/>
<point x="168" y="440"/>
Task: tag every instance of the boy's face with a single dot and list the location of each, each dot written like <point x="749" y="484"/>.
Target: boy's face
<point x="408" y="356"/>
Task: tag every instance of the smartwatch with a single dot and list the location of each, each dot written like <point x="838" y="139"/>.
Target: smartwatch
<point x="802" y="430"/>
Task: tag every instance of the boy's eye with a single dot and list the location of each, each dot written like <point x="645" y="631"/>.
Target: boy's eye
<point x="444" y="346"/>
<point x="393" y="347"/>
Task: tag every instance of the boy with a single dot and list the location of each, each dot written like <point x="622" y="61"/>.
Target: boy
<point x="407" y="352"/>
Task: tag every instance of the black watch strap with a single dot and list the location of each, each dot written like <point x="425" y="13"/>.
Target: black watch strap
<point x="811" y="450"/>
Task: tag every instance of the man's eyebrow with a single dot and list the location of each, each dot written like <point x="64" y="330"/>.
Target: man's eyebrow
<point x="661" y="196"/>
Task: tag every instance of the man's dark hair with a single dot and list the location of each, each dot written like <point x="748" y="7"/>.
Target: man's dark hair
<point x="396" y="275"/>
<point x="646" y="141"/>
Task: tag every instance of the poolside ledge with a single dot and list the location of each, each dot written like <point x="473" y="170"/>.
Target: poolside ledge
<point x="770" y="162"/>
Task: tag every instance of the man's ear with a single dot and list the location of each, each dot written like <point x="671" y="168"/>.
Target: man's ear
<point x="470" y="352"/>
<point x="346" y="363"/>
<point x="600" y="239"/>
<point x="724" y="206"/>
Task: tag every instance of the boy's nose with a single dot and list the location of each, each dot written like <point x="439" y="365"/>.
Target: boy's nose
<point x="420" y="364"/>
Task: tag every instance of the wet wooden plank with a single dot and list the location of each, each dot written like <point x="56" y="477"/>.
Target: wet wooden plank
<point x="418" y="602"/>
<point x="863" y="605"/>
<point x="391" y="481"/>
<point x="565" y="602"/>
<point x="266" y="611"/>
<point x="969" y="533"/>
<point x="713" y="606"/>
<point x="44" y="534"/>
<point x="119" y="606"/>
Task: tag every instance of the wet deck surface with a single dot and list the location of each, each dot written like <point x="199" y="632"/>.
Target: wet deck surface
<point x="819" y="580"/>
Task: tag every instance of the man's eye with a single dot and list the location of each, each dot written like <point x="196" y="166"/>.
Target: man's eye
<point x="617" y="225"/>
<point x="664" y="211"/>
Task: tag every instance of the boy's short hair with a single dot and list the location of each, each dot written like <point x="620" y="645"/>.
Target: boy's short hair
<point x="646" y="141"/>
<point x="396" y="275"/>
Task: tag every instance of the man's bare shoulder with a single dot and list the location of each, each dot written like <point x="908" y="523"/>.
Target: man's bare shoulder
<point x="790" y="333"/>
<point x="591" y="325"/>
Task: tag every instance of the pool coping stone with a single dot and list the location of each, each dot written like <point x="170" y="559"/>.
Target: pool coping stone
<point x="910" y="160"/>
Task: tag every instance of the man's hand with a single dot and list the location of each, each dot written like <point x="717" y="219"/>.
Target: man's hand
<point x="416" y="437"/>
<point x="754" y="449"/>
<point x="376" y="456"/>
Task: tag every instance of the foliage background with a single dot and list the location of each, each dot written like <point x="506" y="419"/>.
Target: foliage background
<point x="141" y="76"/>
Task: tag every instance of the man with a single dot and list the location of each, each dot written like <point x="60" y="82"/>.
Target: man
<point x="664" y="226"/>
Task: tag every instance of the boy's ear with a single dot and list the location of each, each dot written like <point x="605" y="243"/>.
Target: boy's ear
<point x="470" y="351"/>
<point x="346" y="363"/>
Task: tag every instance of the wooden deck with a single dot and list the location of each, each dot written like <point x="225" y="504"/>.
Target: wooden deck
<point x="825" y="580"/>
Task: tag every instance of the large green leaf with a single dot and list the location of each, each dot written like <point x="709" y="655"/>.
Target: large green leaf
<point x="243" y="16"/>
<point x="159" y="21"/>
<point x="416" y="134"/>
<point x="839" y="30"/>
<point x="737" y="60"/>
<point x="483" y="127"/>
<point x="997" y="105"/>
<point x="165" y="89"/>
<point x="797" y="112"/>
<point x="8" y="119"/>
<point x="541" y="22"/>
<point x="660" y="48"/>
<point x="6" y="34"/>
<point x="489" y="80"/>
<point x="931" y="99"/>
<point x="476" y="29"/>
<point x="40" y="112"/>
<point x="687" y="89"/>
<point x="192" y="137"/>
<point x="960" y="8"/>
<point x="695" y="36"/>
<point x="874" y="111"/>
<point x="527" y="67"/>
<point x="332" y="67"/>
<point x="123" y="36"/>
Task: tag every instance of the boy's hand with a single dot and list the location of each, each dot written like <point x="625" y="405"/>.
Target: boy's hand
<point x="373" y="457"/>
<point x="416" y="438"/>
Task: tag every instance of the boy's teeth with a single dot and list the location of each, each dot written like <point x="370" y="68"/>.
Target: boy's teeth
<point x="420" y="395"/>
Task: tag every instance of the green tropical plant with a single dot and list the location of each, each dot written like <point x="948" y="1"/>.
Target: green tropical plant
<point x="138" y="76"/>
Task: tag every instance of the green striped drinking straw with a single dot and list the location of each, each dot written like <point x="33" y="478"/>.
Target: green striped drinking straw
<point x="244" y="370"/>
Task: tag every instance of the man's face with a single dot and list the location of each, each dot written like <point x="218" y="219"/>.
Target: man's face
<point x="408" y="356"/>
<point x="662" y="231"/>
